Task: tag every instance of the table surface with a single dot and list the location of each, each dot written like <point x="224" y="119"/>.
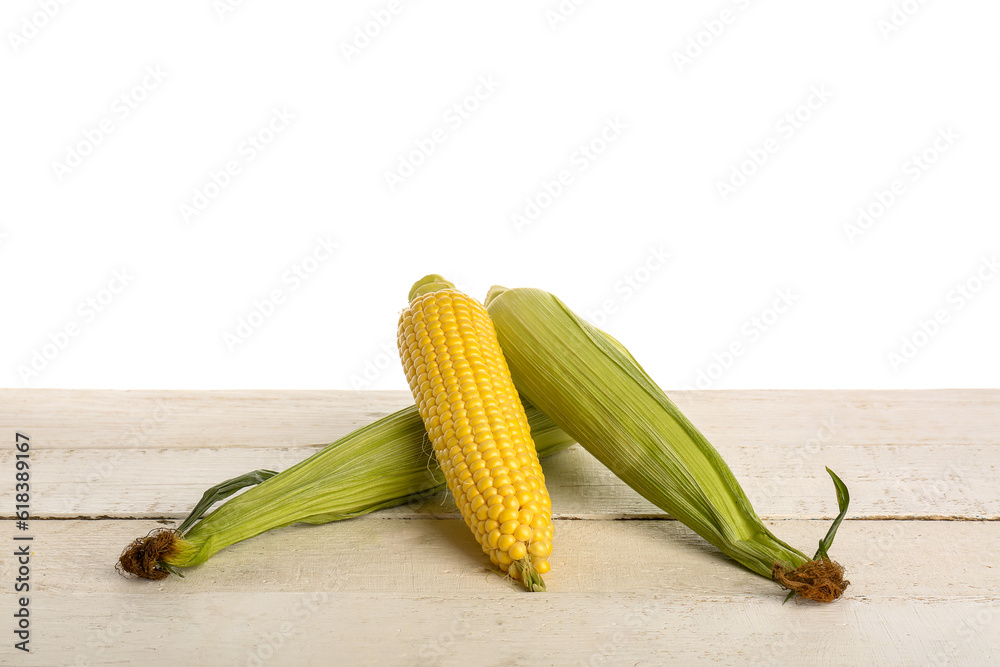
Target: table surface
<point x="409" y="585"/>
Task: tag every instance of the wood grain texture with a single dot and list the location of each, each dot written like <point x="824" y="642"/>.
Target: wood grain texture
<point x="937" y="480"/>
<point x="151" y="454"/>
<point x="105" y="419"/>
<point x="429" y="556"/>
<point x="377" y="591"/>
<point x="409" y="586"/>
<point x="321" y="628"/>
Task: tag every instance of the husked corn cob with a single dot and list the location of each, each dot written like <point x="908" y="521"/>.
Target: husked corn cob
<point x="463" y="390"/>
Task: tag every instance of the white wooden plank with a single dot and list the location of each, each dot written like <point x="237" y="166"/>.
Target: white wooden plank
<point x="400" y="587"/>
<point x="328" y="627"/>
<point x="885" y="481"/>
<point x="104" y="419"/>
<point x="884" y="559"/>
<point x="408" y="592"/>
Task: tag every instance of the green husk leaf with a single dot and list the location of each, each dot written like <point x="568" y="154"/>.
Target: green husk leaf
<point x="593" y="389"/>
<point x="843" y="500"/>
<point x="223" y="491"/>
<point x="386" y="463"/>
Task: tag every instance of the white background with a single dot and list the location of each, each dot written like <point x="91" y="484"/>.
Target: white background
<point x="893" y="81"/>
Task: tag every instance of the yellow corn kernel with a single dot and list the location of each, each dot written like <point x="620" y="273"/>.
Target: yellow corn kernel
<point x="541" y="549"/>
<point x="505" y="542"/>
<point x="508" y="515"/>
<point x="476" y="423"/>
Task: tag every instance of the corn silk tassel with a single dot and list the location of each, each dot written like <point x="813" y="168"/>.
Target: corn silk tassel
<point x="593" y="389"/>
<point x="386" y="463"/>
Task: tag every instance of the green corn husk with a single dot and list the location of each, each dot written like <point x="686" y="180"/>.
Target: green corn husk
<point x="386" y="463"/>
<point x="593" y="389"/>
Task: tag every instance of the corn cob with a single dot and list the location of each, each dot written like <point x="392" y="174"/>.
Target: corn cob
<point x="381" y="465"/>
<point x="593" y="389"/>
<point x="477" y="425"/>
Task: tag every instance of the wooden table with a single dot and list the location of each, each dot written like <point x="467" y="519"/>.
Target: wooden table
<point x="410" y="586"/>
